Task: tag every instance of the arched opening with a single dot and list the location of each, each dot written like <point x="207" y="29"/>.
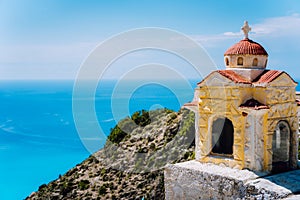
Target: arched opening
<point x="226" y="61"/>
<point x="255" y="62"/>
<point x="240" y="61"/>
<point x="281" y="147"/>
<point x="222" y="136"/>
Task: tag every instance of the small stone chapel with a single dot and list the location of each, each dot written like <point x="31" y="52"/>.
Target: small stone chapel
<point x="246" y="115"/>
<point x="246" y="132"/>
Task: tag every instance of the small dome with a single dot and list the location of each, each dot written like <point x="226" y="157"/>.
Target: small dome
<point x="246" y="54"/>
<point x="246" y="46"/>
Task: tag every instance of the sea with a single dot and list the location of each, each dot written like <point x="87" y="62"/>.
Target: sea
<point x="38" y="137"/>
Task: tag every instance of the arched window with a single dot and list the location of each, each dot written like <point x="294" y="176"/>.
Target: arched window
<point x="227" y="61"/>
<point x="240" y="61"/>
<point x="281" y="147"/>
<point x="255" y="62"/>
<point x="222" y="136"/>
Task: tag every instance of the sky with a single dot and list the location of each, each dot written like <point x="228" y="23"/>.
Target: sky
<point x="51" y="39"/>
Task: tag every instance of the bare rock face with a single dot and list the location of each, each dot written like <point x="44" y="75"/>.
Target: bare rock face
<point x="130" y="166"/>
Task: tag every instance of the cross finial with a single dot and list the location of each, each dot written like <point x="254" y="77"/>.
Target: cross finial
<point x="246" y="29"/>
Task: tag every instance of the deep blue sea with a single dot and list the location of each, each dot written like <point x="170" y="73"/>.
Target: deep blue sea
<point x="38" y="138"/>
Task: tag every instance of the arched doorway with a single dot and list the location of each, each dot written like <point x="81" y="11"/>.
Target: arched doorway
<point x="222" y="136"/>
<point x="281" y="147"/>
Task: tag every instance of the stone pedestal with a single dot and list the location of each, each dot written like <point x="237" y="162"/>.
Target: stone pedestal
<point x="195" y="180"/>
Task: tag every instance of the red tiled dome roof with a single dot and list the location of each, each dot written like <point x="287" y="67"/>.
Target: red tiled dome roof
<point x="246" y="46"/>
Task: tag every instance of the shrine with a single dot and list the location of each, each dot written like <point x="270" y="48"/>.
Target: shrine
<point x="246" y="114"/>
<point x="246" y="132"/>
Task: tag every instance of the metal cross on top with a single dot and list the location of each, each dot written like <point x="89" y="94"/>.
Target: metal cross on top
<point x="246" y="29"/>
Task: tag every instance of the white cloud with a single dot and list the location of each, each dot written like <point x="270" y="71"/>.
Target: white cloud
<point x="278" y="26"/>
<point x="232" y="34"/>
<point x="285" y="26"/>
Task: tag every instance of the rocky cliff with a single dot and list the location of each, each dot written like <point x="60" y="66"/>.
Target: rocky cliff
<point x="130" y="166"/>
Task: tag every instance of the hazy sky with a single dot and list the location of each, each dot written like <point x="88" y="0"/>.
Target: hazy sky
<point x="50" y="39"/>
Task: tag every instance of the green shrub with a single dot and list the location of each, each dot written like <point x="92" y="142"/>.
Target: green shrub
<point x="152" y="146"/>
<point x="121" y="130"/>
<point x="186" y="155"/>
<point x="102" y="190"/>
<point x="42" y="187"/>
<point x="84" y="184"/>
<point x="127" y="125"/>
<point x="173" y="115"/>
<point x="193" y="155"/>
<point x="167" y="110"/>
<point x="187" y="126"/>
<point x="103" y="171"/>
<point x="116" y="135"/>
<point x="65" y="188"/>
<point x="141" y="118"/>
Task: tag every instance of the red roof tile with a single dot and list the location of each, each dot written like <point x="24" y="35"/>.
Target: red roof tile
<point x="233" y="76"/>
<point x="268" y="76"/>
<point x="246" y="46"/>
<point x="252" y="103"/>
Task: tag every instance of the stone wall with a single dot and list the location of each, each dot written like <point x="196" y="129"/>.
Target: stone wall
<point x="195" y="180"/>
<point x="217" y="102"/>
<point x="254" y="139"/>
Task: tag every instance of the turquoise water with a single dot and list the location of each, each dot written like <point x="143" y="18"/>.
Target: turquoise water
<point x="38" y="138"/>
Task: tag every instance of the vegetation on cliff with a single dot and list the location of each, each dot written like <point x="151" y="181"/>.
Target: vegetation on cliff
<point x="130" y="166"/>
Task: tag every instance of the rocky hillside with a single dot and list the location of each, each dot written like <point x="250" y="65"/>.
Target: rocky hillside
<point x="130" y="166"/>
